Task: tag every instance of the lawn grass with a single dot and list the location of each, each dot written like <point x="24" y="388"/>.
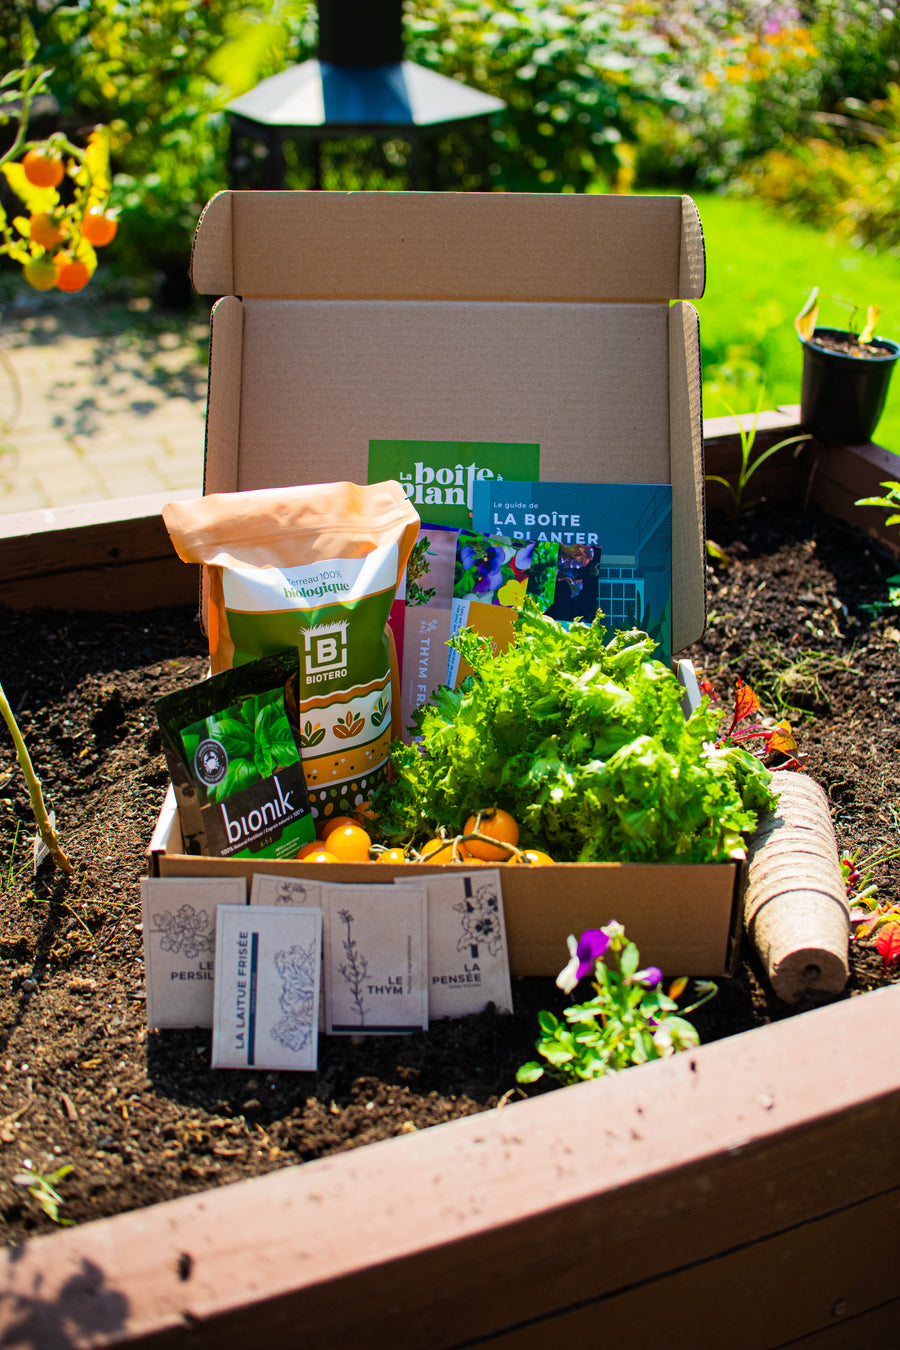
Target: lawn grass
<point x="760" y="269"/>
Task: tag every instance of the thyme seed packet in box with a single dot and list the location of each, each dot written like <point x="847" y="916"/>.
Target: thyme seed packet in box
<point x="235" y="762"/>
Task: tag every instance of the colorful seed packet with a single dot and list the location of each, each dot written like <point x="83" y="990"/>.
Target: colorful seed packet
<point x="235" y="762"/>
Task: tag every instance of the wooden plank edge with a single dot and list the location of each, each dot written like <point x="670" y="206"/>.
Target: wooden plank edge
<point x="340" y="1245"/>
<point x="131" y="587"/>
<point x="842" y="476"/>
<point x="767" y="1294"/>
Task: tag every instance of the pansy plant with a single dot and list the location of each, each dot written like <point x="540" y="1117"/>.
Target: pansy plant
<point x="630" y="1019"/>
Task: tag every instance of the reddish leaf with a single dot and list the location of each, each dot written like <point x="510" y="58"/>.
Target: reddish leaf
<point x="782" y="738"/>
<point x="887" y="940"/>
<point x="745" y="702"/>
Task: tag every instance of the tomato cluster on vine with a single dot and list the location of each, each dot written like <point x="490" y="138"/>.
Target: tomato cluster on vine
<point x="489" y="836"/>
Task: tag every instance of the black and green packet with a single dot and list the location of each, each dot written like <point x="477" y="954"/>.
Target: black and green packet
<point x="235" y="763"/>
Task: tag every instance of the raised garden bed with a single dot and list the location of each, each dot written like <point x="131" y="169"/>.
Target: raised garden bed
<point x="668" y="1196"/>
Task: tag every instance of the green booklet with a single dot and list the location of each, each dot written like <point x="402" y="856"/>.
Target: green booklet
<point x="439" y="476"/>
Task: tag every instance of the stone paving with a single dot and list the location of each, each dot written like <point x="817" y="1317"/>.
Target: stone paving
<point x="99" y="401"/>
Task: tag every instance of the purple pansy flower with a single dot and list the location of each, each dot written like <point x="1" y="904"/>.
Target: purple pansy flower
<point x="584" y="955"/>
<point x="524" y="557"/>
<point x="490" y="574"/>
<point x="651" y="977"/>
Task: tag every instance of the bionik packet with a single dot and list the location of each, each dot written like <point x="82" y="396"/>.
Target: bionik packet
<point x="235" y="762"/>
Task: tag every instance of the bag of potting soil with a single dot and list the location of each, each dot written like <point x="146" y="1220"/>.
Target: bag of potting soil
<point x="235" y="762"/>
<point x="315" y="568"/>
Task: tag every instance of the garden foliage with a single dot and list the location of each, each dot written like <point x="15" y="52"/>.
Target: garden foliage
<point x="678" y="93"/>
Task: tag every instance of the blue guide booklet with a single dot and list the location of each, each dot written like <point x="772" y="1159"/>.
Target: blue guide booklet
<point x="615" y="547"/>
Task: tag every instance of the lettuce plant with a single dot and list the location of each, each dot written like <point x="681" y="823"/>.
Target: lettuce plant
<point x="585" y="743"/>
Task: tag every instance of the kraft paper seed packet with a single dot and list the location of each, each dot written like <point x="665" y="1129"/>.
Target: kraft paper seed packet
<point x="179" y="929"/>
<point x="268" y="965"/>
<point x="376" y="959"/>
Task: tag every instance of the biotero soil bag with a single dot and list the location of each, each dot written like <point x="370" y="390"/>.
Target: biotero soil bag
<point x="316" y="568"/>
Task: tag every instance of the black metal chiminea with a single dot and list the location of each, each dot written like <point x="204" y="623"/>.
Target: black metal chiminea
<point x="358" y="115"/>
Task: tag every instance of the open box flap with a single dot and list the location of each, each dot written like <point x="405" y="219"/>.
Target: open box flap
<point x="449" y="246"/>
<point x="403" y="337"/>
<point x="610" y="392"/>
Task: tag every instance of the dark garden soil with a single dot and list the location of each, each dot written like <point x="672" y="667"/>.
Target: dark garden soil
<point x="140" y="1117"/>
<point x="849" y="345"/>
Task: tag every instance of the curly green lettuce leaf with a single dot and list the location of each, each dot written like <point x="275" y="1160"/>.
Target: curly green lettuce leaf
<point x="585" y="742"/>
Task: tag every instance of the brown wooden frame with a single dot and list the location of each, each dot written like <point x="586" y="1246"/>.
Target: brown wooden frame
<point x="745" y="1193"/>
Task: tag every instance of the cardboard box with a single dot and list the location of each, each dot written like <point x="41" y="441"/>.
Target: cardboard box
<point x="469" y="317"/>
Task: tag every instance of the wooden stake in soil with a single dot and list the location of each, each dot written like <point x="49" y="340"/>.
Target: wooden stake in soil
<point x="795" y="908"/>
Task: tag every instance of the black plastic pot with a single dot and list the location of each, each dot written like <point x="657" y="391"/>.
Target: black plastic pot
<point x="843" y="396"/>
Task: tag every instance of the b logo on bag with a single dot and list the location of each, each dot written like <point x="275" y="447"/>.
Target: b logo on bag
<point x="325" y="652"/>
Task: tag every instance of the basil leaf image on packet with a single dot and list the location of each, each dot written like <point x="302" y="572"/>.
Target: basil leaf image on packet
<point x="235" y="763"/>
<point x="314" y="568"/>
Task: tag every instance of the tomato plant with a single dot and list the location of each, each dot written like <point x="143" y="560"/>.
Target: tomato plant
<point x="40" y="274"/>
<point x="497" y="824"/>
<point x="349" y="843"/>
<point x="82" y="219"/>
<point x="46" y="230"/>
<point x="396" y="856"/>
<point x="71" y="273"/>
<point x="336" y="823"/>
<point x="43" y="169"/>
<point x="98" y="228"/>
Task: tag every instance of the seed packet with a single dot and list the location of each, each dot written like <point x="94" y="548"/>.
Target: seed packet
<point x="315" y="568"/>
<point x="492" y="576"/>
<point x="235" y="762"/>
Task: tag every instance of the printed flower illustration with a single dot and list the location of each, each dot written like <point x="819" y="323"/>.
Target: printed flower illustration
<point x="521" y="563"/>
<point x="186" y="931"/>
<point x="512" y="594"/>
<point x="480" y="920"/>
<point x="487" y="563"/>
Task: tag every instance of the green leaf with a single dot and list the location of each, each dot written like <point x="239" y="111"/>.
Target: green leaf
<point x="241" y="773"/>
<point x="629" y="960"/>
<point x="36" y="199"/>
<point x="529" y="1073"/>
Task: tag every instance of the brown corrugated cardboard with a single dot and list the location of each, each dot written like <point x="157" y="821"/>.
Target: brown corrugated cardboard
<point x="685" y="919"/>
<point x="448" y="246"/>
<point x="472" y="318"/>
<point x="475" y="317"/>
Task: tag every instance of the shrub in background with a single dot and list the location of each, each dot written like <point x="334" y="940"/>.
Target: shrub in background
<point x="571" y="75"/>
<point x="847" y="180"/>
